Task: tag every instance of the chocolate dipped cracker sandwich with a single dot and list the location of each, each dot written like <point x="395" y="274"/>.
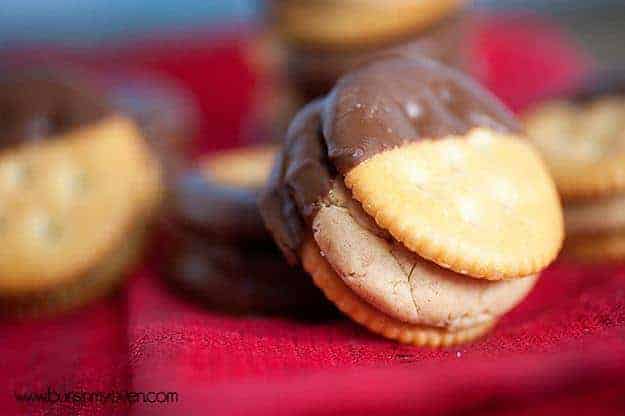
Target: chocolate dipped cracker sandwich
<point x="218" y="250"/>
<point x="411" y="197"/>
<point x="326" y="39"/>
<point x="581" y="134"/>
<point x="79" y="185"/>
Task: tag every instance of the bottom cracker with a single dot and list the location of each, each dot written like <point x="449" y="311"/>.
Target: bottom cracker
<point x="597" y="248"/>
<point x="99" y="281"/>
<point x="357" y="309"/>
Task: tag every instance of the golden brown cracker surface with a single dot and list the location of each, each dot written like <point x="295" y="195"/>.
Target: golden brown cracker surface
<point x="482" y="204"/>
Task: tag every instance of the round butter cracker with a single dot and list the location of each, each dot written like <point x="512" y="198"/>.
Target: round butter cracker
<point x="99" y="281"/>
<point x="583" y="145"/>
<point x="401" y="284"/>
<point x="245" y="167"/>
<point x="482" y="204"/>
<point x="70" y="201"/>
<point x="363" y="313"/>
<point x="349" y="24"/>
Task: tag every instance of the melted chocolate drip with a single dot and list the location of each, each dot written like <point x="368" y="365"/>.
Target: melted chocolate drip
<point x="380" y="106"/>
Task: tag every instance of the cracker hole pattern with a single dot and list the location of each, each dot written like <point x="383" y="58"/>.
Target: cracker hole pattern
<point x="13" y="175"/>
<point x="51" y="193"/>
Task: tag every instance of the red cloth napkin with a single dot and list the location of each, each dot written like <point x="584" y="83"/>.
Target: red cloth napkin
<point x="562" y="350"/>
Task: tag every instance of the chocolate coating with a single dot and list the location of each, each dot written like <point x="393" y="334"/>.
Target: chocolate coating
<point x="219" y="252"/>
<point x="603" y="83"/>
<point x="166" y="113"/>
<point x="241" y="279"/>
<point x="39" y="103"/>
<point x="215" y="211"/>
<point x="380" y="106"/>
<point x="399" y="100"/>
<point x="301" y="175"/>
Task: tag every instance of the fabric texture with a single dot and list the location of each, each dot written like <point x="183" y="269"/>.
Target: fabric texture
<point x="562" y="350"/>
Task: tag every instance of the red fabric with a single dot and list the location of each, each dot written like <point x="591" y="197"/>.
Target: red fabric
<point x="521" y="68"/>
<point x="563" y="349"/>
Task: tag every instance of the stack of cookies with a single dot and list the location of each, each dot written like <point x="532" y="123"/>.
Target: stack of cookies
<point x="325" y="39"/>
<point x="217" y="249"/>
<point x="412" y="198"/>
<point x="80" y="181"/>
<point x="581" y="134"/>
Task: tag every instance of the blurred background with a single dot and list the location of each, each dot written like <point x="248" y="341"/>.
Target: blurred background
<point x="208" y="75"/>
<point x="597" y="23"/>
